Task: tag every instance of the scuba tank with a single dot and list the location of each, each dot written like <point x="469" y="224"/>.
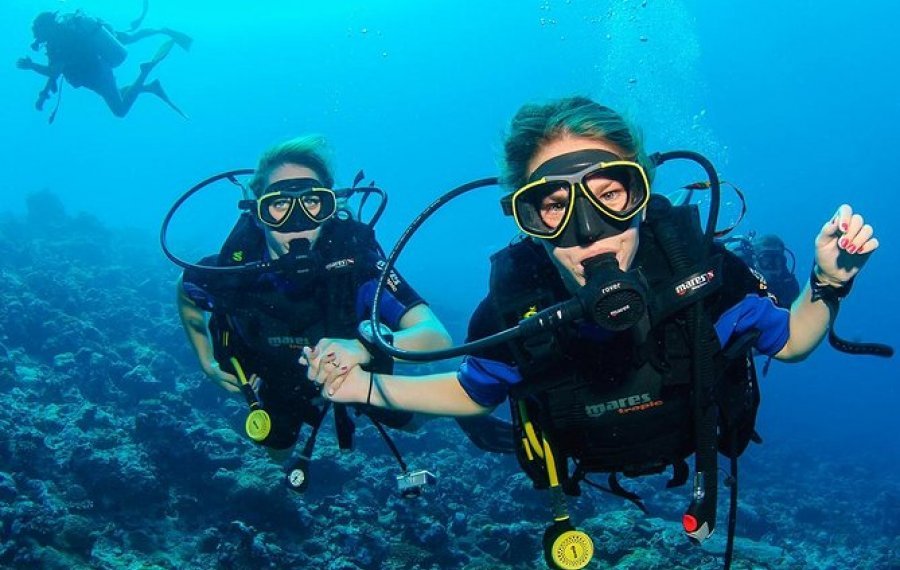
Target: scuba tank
<point x="98" y="38"/>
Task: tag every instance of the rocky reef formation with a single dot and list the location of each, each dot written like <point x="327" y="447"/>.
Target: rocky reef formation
<point x="116" y="453"/>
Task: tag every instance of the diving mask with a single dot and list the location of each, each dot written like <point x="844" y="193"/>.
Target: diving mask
<point x="602" y="192"/>
<point x="278" y="206"/>
<point x="771" y="261"/>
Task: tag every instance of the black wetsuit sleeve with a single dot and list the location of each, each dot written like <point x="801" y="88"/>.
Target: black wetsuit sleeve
<point x="199" y="285"/>
<point x="397" y="298"/>
<point x="739" y="281"/>
<point x="483" y="323"/>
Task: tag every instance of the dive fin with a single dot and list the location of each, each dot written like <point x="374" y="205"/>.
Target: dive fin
<point x="183" y="40"/>
<point x="161" y="54"/>
<point x="140" y="19"/>
<point x="156" y="88"/>
<point x="488" y="433"/>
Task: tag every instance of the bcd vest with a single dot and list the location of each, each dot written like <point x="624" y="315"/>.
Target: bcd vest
<point x="623" y="405"/>
<point x="265" y="320"/>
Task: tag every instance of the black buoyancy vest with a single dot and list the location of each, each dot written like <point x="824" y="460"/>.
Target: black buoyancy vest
<point x="265" y="321"/>
<point x="625" y="408"/>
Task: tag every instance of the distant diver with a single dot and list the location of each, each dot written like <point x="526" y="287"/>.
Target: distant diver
<point x="84" y="50"/>
<point x="767" y="255"/>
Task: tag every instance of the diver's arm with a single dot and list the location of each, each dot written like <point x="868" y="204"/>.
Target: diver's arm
<point x="193" y="320"/>
<point x="420" y="329"/>
<point x="808" y="326"/>
<point x="46" y="70"/>
<point x="437" y="394"/>
<point x="842" y="248"/>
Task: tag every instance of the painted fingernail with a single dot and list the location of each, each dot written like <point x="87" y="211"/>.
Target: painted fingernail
<point x="843" y="242"/>
<point x="344" y="368"/>
<point x="844" y="227"/>
<point x="329" y="355"/>
<point x="851" y="249"/>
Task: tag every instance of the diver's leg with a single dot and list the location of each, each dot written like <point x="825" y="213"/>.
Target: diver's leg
<point x="101" y="81"/>
<point x="129" y="94"/>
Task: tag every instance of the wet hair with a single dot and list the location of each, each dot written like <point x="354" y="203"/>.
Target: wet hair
<point x="309" y="151"/>
<point x="768" y="242"/>
<point x="535" y="125"/>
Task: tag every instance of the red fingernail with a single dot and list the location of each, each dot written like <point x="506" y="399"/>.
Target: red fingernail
<point x="844" y="227"/>
<point x="343" y="368"/>
<point x="843" y="242"/>
<point x="851" y="249"/>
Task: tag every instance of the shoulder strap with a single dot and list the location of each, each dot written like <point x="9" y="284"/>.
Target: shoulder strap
<point x="523" y="281"/>
<point x="700" y="516"/>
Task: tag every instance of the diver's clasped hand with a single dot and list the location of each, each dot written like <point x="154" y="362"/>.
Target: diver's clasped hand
<point x="24" y="63"/>
<point x="337" y="370"/>
<point x="843" y="246"/>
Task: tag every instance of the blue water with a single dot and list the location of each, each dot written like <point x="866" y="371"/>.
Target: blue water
<point x="797" y="103"/>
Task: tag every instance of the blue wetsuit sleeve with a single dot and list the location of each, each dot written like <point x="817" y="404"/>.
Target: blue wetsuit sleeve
<point x="759" y="313"/>
<point x="199" y="296"/>
<point x="397" y="297"/>
<point x="394" y="303"/>
<point x="486" y="381"/>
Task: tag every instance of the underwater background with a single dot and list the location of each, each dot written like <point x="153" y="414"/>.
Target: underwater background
<point x="116" y="452"/>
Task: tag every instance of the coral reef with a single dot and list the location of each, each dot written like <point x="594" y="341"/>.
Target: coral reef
<point x="116" y="453"/>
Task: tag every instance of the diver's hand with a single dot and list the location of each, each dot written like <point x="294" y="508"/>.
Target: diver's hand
<point x="25" y="63"/>
<point x="843" y="246"/>
<point x="339" y="383"/>
<point x="227" y="381"/>
<point x="340" y="355"/>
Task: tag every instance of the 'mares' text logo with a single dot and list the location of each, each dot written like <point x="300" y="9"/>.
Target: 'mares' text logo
<point x="393" y="281"/>
<point x="289" y="341"/>
<point x="340" y="264"/>
<point x="695" y="283"/>
<point x="625" y="405"/>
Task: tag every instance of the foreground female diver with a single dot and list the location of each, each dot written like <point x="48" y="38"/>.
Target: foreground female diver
<point x="259" y="321"/>
<point x="657" y="387"/>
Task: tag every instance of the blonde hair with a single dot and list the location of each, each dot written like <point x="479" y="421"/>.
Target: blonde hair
<point x="534" y="125"/>
<point x="309" y="150"/>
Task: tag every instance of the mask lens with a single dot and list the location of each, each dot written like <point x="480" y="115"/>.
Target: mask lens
<point x="542" y="208"/>
<point x="617" y="190"/>
<point x="277" y="209"/>
<point x="318" y="203"/>
<point x="770" y="261"/>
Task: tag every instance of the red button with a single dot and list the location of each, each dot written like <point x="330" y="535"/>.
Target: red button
<point x="689" y="523"/>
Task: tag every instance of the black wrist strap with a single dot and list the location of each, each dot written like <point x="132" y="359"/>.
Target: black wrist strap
<point x="829" y="294"/>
